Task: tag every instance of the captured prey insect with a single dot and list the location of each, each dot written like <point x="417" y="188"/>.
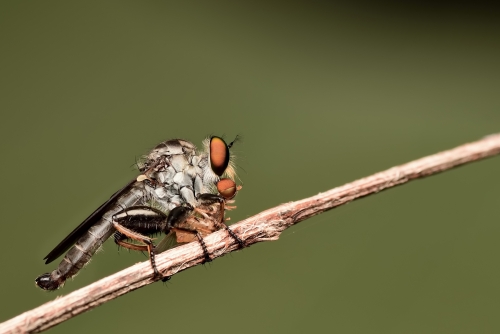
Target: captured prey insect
<point x="179" y="190"/>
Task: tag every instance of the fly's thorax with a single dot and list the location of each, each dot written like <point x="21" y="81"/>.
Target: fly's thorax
<point x="175" y="173"/>
<point x="180" y="182"/>
<point x="172" y="147"/>
<point x="164" y="198"/>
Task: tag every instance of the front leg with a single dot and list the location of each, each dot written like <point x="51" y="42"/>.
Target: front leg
<point x="180" y="220"/>
<point x="208" y="200"/>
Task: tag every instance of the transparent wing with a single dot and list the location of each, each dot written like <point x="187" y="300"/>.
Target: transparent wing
<point x="81" y="229"/>
<point x="168" y="242"/>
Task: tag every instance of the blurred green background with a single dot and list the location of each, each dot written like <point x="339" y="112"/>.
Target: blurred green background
<point x="322" y="94"/>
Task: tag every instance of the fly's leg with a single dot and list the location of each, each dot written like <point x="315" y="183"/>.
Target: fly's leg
<point x="148" y="244"/>
<point x="131" y="222"/>
<point x="208" y="199"/>
<point x="200" y="241"/>
<point x="120" y="238"/>
<point x="176" y="222"/>
<point x="204" y="247"/>
<point x="234" y="236"/>
<point x="228" y="189"/>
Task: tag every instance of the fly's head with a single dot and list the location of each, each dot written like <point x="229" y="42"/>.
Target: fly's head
<point x="220" y="159"/>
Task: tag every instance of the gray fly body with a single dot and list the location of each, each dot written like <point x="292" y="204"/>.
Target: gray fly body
<point x="174" y="174"/>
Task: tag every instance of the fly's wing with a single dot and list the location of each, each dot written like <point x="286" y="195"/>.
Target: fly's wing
<point x="169" y="241"/>
<point x="70" y="240"/>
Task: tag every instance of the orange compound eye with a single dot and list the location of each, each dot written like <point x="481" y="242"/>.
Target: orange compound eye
<point x="219" y="155"/>
<point x="227" y="188"/>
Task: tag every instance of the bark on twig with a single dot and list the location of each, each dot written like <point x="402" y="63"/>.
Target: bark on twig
<point x="264" y="226"/>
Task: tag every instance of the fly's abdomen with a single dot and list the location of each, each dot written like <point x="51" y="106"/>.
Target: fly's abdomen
<point x="81" y="252"/>
<point x="76" y="258"/>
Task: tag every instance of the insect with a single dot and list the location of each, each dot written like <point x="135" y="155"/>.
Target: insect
<point x="181" y="182"/>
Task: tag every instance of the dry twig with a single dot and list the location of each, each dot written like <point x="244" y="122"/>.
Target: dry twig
<point x="264" y="226"/>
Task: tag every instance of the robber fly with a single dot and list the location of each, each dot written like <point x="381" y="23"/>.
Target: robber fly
<point x="179" y="192"/>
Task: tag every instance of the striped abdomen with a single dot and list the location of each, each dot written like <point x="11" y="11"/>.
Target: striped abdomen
<point x="85" y="247"/>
